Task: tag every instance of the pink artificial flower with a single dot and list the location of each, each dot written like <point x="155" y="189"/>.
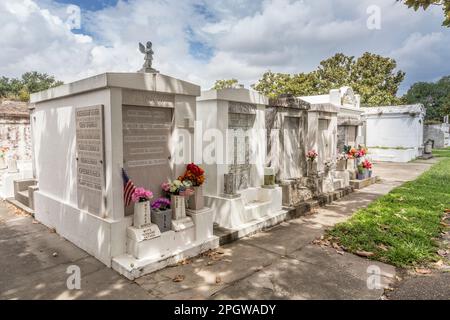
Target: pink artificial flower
<point x="140" y="194"/>
<point x="165" y="186"/>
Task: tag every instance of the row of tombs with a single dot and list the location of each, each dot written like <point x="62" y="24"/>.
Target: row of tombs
<point x="95" y="138"/>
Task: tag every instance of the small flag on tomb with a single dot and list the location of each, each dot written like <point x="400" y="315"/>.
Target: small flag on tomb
<point x="128" y="188"/>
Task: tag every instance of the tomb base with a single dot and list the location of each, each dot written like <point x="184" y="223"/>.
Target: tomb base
<point x="253" y="204"/>
<point x="271" y="186"/>
<point x="295" y="191"/>
<point x="182" y="224"/>
<point x="189" y="237"/>
<point x="359" y="184"/>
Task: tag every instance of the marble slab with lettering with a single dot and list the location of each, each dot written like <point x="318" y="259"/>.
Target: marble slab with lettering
<point x="146" y="145"/>
<point x="90" y="158"/>
<point x="142" y="234"/>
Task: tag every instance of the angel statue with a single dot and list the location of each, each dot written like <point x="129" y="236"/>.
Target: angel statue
<point x="148" y="58"/>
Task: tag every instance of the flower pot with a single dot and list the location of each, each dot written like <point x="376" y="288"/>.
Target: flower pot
<point x="178" y="205"/>
<point x="197" y="200"/>
<point x="341" y="165"/>
<point x="142" y="214"/>
<point x="312" y="167"/>
<point x="163" y="219"/>
<point x="2" y="163"/>
<point x="364" y="174"/>
<point x="12" y="166"/>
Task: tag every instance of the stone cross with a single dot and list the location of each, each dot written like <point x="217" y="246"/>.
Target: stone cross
<point x="148" y="57"/>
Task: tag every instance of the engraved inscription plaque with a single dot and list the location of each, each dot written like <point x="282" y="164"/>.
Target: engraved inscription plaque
<point x="241" y="119"/>
<point x="146" y="151"/>
<point x="90" y="158"/>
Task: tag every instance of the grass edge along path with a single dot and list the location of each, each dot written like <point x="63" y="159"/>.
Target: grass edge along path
<point x="402" y="227"/>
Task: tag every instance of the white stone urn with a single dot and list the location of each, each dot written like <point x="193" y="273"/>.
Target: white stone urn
<point x="12" y="165"/>
<point x="197" y="200"/>
<point x="178" y="205"/>
<point x="312" y="167"/>
<point x="2" y="163"/>
<point x="341" y="165"/>
<point x="142" y="214"/>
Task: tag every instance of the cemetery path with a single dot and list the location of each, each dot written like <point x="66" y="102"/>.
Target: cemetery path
<point x="280" y="263"/>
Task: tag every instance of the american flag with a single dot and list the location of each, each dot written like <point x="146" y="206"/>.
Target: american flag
<point x="128" y="188"/>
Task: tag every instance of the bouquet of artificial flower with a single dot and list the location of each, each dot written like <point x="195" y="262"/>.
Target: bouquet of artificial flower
<point x="194" y="174"/>
<point x="176" y="187"/>
<point x="141" y="195"/>
<point x="312" y="155"/>
<point x="3" y="151"/>
<point x="342" y="156"/>
<point x="367" y="164"/>
<point x="161" y="204"/>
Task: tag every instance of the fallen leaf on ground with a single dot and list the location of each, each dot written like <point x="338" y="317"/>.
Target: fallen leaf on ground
<point x="185" y="262"/>
<point x="442" y="253"/>
<point x="423" y="271"/>
<point x="383" y="247"/>
<point x="178" y="278"/>
<point x="35" y="222"/>
<point x="218" y="280"/>
<point x="365" y="254"/>
<point x="340" y="252"/>
<point x="439" y="264"/>
<point x="336" y="246"/>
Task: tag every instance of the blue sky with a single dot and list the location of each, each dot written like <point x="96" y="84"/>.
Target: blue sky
<point x="92" y="5"/>
<point x="201" y="40"/>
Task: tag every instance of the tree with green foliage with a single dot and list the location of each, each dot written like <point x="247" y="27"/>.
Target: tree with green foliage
<point x="225" y="84"/>
<point x="334" y="72"/>
<point x="375" y="79"/>
<point x="30" y="82"/>
<point x="435" y="96"/>
<point x="273" y="84"/>
<point x="425" y="4"/>
<point x="372" y="76"/>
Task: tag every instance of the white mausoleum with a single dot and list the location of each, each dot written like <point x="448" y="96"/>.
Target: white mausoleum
<point x="395" y="133"/>
<point x="84" y="133"/>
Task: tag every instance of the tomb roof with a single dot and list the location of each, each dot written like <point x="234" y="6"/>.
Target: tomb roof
<point x="234" y="94"/>
<point x="10" y="108"/>
<point x="154" y="82"/>
<point x="413" y="109"/>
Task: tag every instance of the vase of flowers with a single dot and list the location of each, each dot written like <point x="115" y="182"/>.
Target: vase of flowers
<point x="142" y="210"/>
<point x="341" y="162"/>
<point x="196" y="176"/>
<point x="3" y="151"/>
<point x="364" y="169"/>
<point x="311" y="157"/>
<point x="162" y="214"/>
<point x="178" y="191"/>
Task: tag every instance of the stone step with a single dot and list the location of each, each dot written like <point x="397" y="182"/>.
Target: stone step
<point x="338" y="183"/>
<point x="23" y="197"/>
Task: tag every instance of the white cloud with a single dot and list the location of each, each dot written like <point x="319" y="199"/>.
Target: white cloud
<point x="247" y="37"/>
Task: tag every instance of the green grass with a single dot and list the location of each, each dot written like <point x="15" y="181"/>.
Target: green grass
<point x="441" y="153"/>
<point x="401" y="227"/>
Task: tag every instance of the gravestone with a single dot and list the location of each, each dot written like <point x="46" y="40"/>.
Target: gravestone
<point x="90" y="158"/>
<point x="240" y="120"/>
<point x="146" y="135"/>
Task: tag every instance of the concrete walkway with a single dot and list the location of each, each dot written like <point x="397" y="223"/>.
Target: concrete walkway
<point x="280" y="263"/>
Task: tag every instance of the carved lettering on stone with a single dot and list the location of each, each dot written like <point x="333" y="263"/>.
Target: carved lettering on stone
<point x="147" y="98"/>
<point x="90" y="158"/>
